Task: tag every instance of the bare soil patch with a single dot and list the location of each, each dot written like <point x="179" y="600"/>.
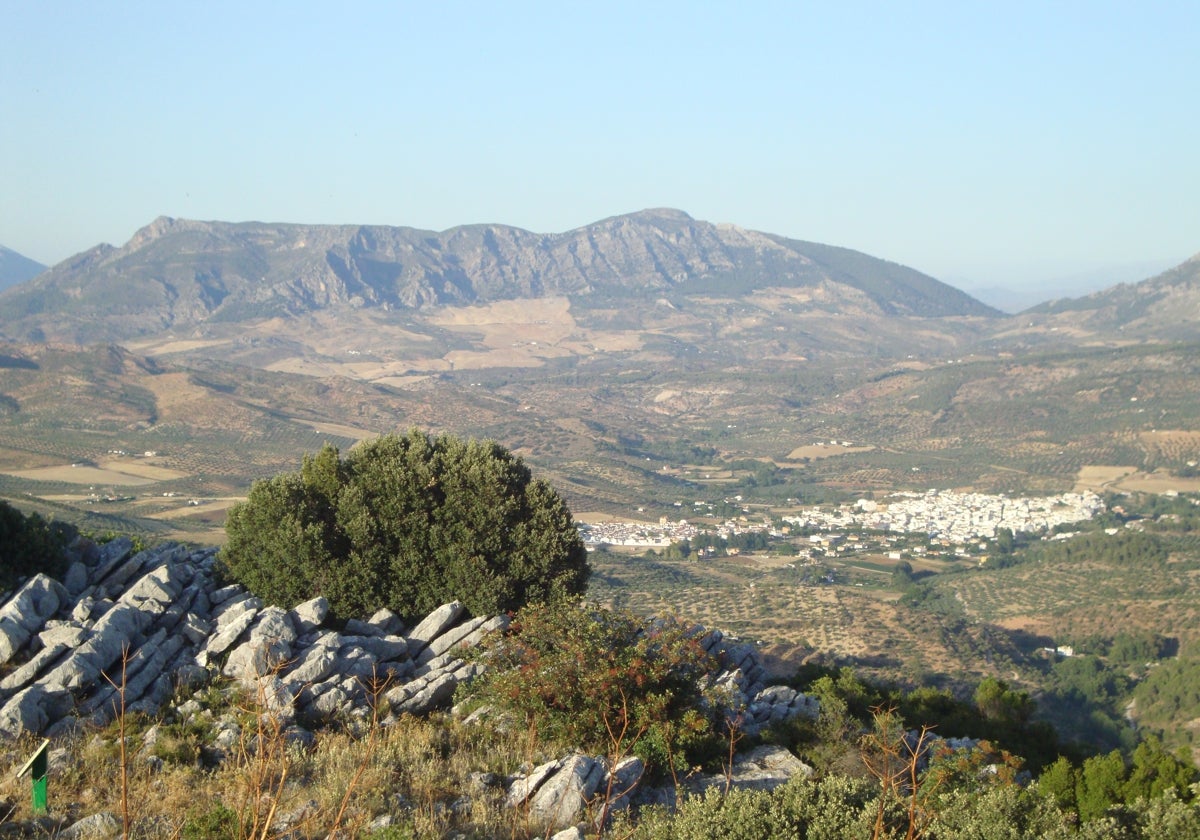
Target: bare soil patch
<point x="341" y="430"/>
<point x="1098" y="478"/>
<point x="1101" y="478"/>
<point x="824" y="450"/>
<point x="164" y="347"/>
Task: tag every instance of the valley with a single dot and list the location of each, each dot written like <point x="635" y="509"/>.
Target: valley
<point x="681" y="368"/>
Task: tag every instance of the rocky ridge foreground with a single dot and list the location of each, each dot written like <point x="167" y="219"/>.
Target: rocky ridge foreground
<point x="157" y="620"/>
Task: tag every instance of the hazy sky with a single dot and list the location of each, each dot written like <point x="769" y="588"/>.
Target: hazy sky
<point x="1001" y="143"/>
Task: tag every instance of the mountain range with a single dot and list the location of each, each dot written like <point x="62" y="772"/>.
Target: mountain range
<point x="192" y="278"/>
<point x="176" y="273"/>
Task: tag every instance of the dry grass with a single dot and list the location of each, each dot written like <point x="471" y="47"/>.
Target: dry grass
<point x="418" y="771"/>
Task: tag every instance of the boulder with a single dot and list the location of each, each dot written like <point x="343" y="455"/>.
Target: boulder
<point x="110" y="555"/>
<point x="526" y="786"/>
<point x="102" y="824"/>
<point x="451" y="637"/>
<point x="76" y="579"/>
<point x="315" y="664"/>
<point x="230" y="625"/>
<point x="62" y="633"/>
<point x="763" y="768"/>
<point x="33" y="709"/>
<point x="28" y="672"/>
<point x="563" y="798"/>
<point x="267" y="650"/>
<point x="26" y="611"/>
<point x="434" y="625"/>
<point x="382" y="648"/>
<point x="422" y="695"/>
<point x="157" y="589"/>
<point x="621" y="782"/>
<point x="387" y="621"/>
<point x="310" y="615"/>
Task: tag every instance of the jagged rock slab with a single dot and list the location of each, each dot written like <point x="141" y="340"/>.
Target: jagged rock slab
<point x="563" y="798"/>
<point x="434" y="625"/>
<point x="26" y="612"/>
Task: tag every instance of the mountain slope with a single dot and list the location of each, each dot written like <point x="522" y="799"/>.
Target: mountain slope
<point x="175" y="273"/>
<point x="1163" y="307"/>
<point x="16" y="268"/>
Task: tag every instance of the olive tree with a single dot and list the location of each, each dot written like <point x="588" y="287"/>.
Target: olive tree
<point x="407" y="522"/>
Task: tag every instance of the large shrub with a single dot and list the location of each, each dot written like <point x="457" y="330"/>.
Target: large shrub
<point x="408" y="523"/>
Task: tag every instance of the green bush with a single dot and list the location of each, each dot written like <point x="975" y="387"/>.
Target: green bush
<point x="217" y="823"/>
<point x="583" y="676"/>
<point x="28" y="545"/>
<point x="408" y="523"/>
<point x="832" y="808"/>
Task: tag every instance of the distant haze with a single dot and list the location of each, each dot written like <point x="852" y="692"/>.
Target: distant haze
<point x="1031" y="287"/>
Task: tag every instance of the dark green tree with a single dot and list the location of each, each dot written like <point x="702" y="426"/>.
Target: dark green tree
<point x="28" y="545"/>
<point x="1100" y="785"/>
<point x="407" y="522"/>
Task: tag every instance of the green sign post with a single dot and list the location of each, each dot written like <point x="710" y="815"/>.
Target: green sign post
<point x="37" y="766"/>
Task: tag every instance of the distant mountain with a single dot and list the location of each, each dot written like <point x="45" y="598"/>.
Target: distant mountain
<point x="177" y="273"/>
<point x="15" y="268"/>
<point x="1164" y="307"/>
<point x="1025" y="292"/>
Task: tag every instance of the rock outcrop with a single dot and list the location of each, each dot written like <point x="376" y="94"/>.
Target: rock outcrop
<point x="133" y="627"/>
<point x="147" y="629"/>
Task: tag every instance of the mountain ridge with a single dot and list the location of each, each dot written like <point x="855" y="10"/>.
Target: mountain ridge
<point x="1163" y="307"/>
<point x="179" y="272"/>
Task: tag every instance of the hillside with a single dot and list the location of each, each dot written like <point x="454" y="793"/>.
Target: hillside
<point x="177" y="274"/>
<point x="1165" y="307"/>
<point x="15" y="268"/>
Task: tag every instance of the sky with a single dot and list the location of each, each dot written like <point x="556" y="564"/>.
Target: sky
<point x="1013" y="145"/>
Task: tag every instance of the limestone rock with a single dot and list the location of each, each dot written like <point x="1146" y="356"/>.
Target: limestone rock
<point x="113" y="636"/>
<point x="24" y="675"/>
<point x="387" y="621"/>
<point x="625" y="778"/>
<point x="763" y="768"/>
<point x="33" y="709"/>
<point x="76" y="579"/>
<point x="26" y="612"/>
<point x="423" y="695"/>
<point x="230" y="625"/>
<point x="310" y="615"/>
<point x="102" y="824"/>
<point x="110" y="555"/>
<point x="434" y="625"/>
<point x="267" y="650"/>
<point x="562" y="799"/>
<point x="315" y="664"/>
<point x="526" y="786"/>
<point x="445" y="641"/>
